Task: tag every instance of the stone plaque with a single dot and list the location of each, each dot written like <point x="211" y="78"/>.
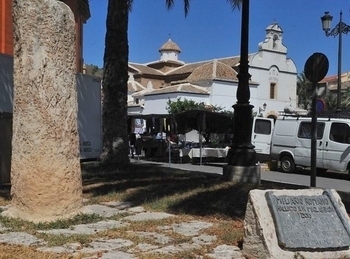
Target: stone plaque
<point x="309" y="223"/>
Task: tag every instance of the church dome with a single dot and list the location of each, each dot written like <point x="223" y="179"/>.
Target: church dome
<point x="213" y="70"/>
<point x="170" y="46"/>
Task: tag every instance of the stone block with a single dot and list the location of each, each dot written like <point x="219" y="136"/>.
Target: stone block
<point x="243" y="174"/>
<point x="307" y="223"/>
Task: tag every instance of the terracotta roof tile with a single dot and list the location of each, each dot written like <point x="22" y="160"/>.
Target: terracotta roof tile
<point x="144" y="69"/>
<point x="213" y="70"/>
<point x="142" y="92"/>
<point x="190" y="67"/>
<point x="184" y="69"/>
<point x="183" y="88"/>
<point x="134" y="86"/>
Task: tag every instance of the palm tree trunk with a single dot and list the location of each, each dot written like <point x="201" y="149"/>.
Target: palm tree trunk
<point x="45" y="174"/>
<point x="115" y="77"/>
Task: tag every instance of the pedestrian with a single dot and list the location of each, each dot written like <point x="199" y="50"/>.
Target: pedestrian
<point x="138" y="146"/>
<point x="132" y="140"/>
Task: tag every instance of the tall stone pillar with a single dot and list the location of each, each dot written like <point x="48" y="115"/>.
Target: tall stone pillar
<point x="45" y="174"/>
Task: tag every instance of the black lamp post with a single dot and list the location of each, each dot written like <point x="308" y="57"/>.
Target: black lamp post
<point x="338" y="30"/>
<point x="241" y="157"/>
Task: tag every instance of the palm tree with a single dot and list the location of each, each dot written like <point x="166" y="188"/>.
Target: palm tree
<point x="345" y="102"/>
<point x="304" y="91"/>
<point x="115" y="77"/>
<point x="330" y="101"/>
<point x="114" y="86"/>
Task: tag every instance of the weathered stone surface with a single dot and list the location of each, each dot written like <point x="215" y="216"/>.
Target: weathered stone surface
<point x="307" y="222"/>
<point x="148" y="216"/>
<point x="20" y="238"/>
<point x="192" y="228"/>
<point x="260" y="236"/>
<point x="156" y="243"/>
<point x="45" y="174"/>
<point x="87" y="229"/>
<point x="154" y="236"/>
<point x="226" y="252"/>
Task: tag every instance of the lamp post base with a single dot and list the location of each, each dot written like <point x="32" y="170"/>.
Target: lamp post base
<point x="242" y="156"/>
<point x="242" y="174"/>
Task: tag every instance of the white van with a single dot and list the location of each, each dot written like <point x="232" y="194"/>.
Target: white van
<point x="261" y="137"/>
<point x="291" y="143"/>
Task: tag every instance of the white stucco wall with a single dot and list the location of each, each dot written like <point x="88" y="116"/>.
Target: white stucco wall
<point x="156" y="104"/>
<point x="169" y="55"/>
<point x="130" y="98"/>
<point x="223" y="94"/>
<point x="268" y="67"/>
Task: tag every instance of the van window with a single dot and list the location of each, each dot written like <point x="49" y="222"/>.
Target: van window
<point x="305" y="130"/>
<point x="285" y="128"/>
<point x="262" y="127"/>
<point x="340" y="132"/>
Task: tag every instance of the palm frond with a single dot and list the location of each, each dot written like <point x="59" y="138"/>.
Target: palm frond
<point x="235" y="4"/>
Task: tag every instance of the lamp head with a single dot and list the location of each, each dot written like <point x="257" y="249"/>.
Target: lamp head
<point x="326" y="21"/>
<point x="264" y="106"/>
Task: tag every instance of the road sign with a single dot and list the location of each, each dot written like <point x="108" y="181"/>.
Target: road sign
<point x="320" y="106"/>
<point x="316" y="67"/>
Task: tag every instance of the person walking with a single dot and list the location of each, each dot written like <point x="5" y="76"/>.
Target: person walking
<point x="138" y="146"/>
<point x="132" y="140"/>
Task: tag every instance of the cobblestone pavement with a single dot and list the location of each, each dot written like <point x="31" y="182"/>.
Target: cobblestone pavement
<point x="119" y="248"/>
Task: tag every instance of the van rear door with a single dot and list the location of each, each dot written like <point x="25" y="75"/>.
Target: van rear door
<point x="337" y="148"/>
<point x="261" y="137"/>
<point x="302" y="155"/>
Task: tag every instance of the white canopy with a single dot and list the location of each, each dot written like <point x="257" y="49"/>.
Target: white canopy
<point x="193" y="136"/>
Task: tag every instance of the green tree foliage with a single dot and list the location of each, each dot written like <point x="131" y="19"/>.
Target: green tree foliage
<point x="330" y="100"/>
<point x="345" y="98"/>
<point x="233" y="3"/>
<point x="179" y="106"/>
<point x="304" y="91"/>
<point x="94" y="69"/>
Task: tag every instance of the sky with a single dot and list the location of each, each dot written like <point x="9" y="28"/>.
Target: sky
<point x="212" y="30"/>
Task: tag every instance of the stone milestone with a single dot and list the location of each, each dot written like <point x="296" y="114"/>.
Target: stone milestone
<point x="310" y="223"/>
<point x="45" y="175"/>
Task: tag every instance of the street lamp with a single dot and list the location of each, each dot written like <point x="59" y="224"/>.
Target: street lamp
<point x="262" y="109"/>
<point x="338" y="30"/>
<point x="241" y="157"/>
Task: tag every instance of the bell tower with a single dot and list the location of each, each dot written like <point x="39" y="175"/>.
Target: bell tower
<point x="273" y="39"/>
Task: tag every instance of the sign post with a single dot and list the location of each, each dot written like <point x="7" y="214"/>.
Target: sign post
<point x="316" y="68"/>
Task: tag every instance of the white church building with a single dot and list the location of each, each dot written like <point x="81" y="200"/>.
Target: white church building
<point x="214" y="82"/>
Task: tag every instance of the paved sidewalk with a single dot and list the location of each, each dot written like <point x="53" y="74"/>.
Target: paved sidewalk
<point x="159" y="242"/>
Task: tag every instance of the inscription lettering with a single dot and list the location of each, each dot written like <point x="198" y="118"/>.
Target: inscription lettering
<point x="307" y="222"/>
<point x="85" y="146"/>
